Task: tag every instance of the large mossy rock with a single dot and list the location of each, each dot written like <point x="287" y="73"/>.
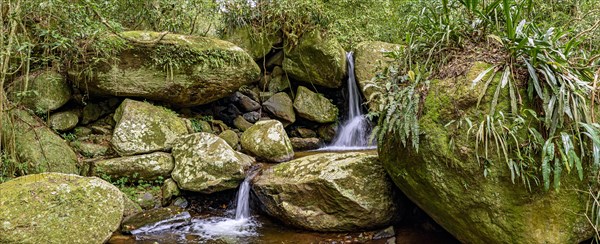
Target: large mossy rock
<point x="59" y="208"/>
<point x="148" y="167"/>
<point x="143" y="128"/>
<point x="369" y="58"/>
<point x="206" y="163"/>
<point x="179" y="69"/>
<point x="63" y="121"/>
<point x="314" y="106"/>
<point x="280" y="106"/>
<point x="449" y="184"/>
<point x="37" y="147"/>
<point x="43" y="91"/>
<point x="316" y="60"/>
<point x="329" y="192"/>
<point x="256" y="44"/>
<point x="268" y="140"/>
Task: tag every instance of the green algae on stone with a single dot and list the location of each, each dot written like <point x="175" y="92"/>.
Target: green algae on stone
<point x="59" y="208"/>
<point x="316" y="60"/>
<point x="63" y="121"/>
<point x="42" y="92"/>
<point x="37" y="147"/>
<point x="369" y="58"/>
<point x="314" y="106"/>
<point x="89" y="149"/>
<point x="179" y="69"/>
<point x="143" y="128"/>
<point x="329" y="192"/>
<point x="231" y="138"/>
<point x="448" y="183"/>
<point x="169" y="191"/>
<point x="268" y="140"/>
<point x="206" y="163"/>
<point x="149" y="167"/>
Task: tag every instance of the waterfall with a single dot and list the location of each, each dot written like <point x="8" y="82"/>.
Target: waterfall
<point x="242" y="210"/>
<point x="353" y="134"/>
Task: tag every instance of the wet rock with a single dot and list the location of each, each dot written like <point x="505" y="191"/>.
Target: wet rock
<point x="306" y="133"/>
<point x="42" y="92"/>
<point x="302" y="144"/>
<point x="206" y="163"/>
<point x="205" y="70"/>
<point x="280" y="106"/>
<point x="169" y="191"/>
<point x="150" y="217"/>
<point x="130" y="207"/>
<point x="143" y="167"/>
<point x="252" y="117"/>
<point x="63" y="121"/>
<point x="314" y="107"/>
<point x="329" y="192"/>
<point x="231" y="138"/>
<point x="146" y="200"/>
<point x="268" y="140"/>
<point x="241" y="123"/>
<point x="327" y="132"/>
<point x="143" y="128"/>
<point x="385" y="233"/>
<point x="59" y="208"/>
<point x="316" y="60"/>
<point x="37" y="147"/>
<point x="246" y="103"/>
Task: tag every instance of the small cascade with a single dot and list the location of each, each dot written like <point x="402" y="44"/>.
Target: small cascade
<point x="242" y="210"/>
<point x="354" y="132"/>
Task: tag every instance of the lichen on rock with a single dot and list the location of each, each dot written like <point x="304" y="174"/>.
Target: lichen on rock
<point x="268" y="140"/>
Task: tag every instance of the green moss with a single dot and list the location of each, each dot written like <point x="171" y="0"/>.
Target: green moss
<point x="314" y="106"/>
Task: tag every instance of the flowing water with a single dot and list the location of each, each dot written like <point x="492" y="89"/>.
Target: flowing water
<point x="353" y="134"/>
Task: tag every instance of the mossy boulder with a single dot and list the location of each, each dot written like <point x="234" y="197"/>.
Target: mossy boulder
<point x="178" y="69"/>
<point x="43" y="91"/>
<point x="369" y="58"/>
<point x="90" y="149"/>
<point x="329" y="192"/>
<point x="37" y="147"/>
<point x="257" y="44"/>
<point x="445" y="179"/>
<point x="143" y="128"/>
<point x="301" y="144"/>
<point x="206" y="163"/>
<point x="316" y="60"/>
<point x="148" y="167"/>
<point x="59" y="208"/>
<point x="314" y="106"/>
<point x="268" y="140"/>
<point x="63" y="121"/>
<point x="280" y="106"/>
<point x="231" y="138"/>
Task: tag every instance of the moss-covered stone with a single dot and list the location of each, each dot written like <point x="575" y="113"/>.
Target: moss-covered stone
<point x="257" y="45"/>
<point x="63" y="121"/>
<point x="316" y="60"/>
<point x="179" y="69"/>
<point x="59" y="208"/>
<point x="327" y="132"/>
<point x="130" y="207"/>
<point x="329" y="192"/>
<point x="143" y="128"/>
<point x="301" y="144"/>
<point x="448" y="183"/>
<point x="89" y="149"/>
<point x="149" y="217"/>
<point x="314" y="106"/>
<point x="280" y="105"/>
<point x="369" y="56"/>
<point x="275" y="82"/>
<point x="206" y="163"/>
<point x="43" y="91"/>
<point x="231" y="138"/>
<point x="268" y="140"/>
<point x="169" y="191"/>
<point x="241" y="124"/>
<point x="144" y="167"/>
<point x="37" y="147"/>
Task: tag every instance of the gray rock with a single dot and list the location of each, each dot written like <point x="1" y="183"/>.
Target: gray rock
<point x="240" y="123"/>
<point x="144" y="167"/>
<point x="251" y="117"/>
<point x="63" y="121"/>
<point x="302" y="144"/>
<point x="268" y="140"/>
<point x="280" y="106"/>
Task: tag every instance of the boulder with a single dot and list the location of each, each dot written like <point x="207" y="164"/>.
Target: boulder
<point x="143" y="128"/>
<point x="302" y="144"/>
<point x="37" y="147"/>
<point x="206" y="163"/>
<point x="251" y="117"/>
<point x="275" y="82"/>
<point x="149" y="217"/>
<point x="63" y="121"/>
<point x="240" y="123"/>
<point x="369" y="58"/>
<point x="89" y="149"/>
<point x="329" y="192"/>
<point x="267" y="140"/>
<point x="95" y="110"/>
<point x="446" y="180"/>
<point x="148" y="167"/>
<point x="169" y="191"/>
<point x="280" y="106"/>
<point x="257" y="44"/>
<point x="231" y="138"/>
<point x="179" y="69"/>
<point x="316" y="60"/>
<point x="305" y="132"/>
<point x="314" y="107"/>
<point x="43" y="91"/>
<point x="59" y="208"/>
<point x="246" y="103"/>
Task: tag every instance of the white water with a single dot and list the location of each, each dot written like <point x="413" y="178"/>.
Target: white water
<point x="354" y="133"/>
